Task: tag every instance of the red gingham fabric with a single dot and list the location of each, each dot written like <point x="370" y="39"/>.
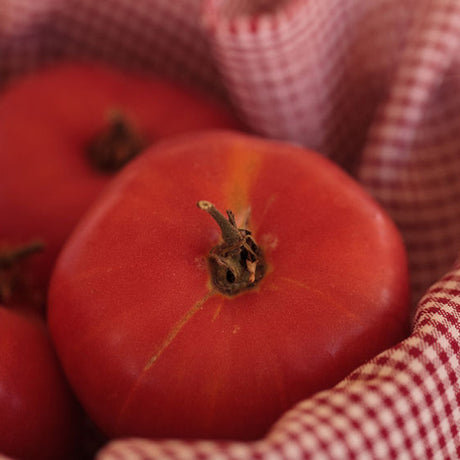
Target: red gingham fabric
<point x="375" y="85"/>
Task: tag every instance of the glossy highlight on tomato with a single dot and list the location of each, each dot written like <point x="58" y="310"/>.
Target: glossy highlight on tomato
<point x="153" y="349"/>
<point x="65" y="129"/>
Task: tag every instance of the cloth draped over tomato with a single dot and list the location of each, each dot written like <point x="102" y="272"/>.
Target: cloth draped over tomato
<point x="372" y="85"/>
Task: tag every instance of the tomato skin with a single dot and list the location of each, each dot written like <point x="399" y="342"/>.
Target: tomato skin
<point x="40" y="417"/>
<point x="46" y="122"/>
<point x="151" y="351"/>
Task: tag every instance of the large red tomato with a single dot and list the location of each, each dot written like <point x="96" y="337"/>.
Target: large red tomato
<point x="167" y="329"/>
<point x="63" y="133"/>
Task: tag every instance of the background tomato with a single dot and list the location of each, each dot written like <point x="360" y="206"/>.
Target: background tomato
<point x="39" y="415"/>
<point x="149" y="345"/>
<point x="51" y="120"/>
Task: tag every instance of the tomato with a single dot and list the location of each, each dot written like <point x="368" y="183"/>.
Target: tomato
<point x="40" y="417"/>
<point x="65" y="130"/>
<point x="39" y="414"/>
<point x="153" y="334"/>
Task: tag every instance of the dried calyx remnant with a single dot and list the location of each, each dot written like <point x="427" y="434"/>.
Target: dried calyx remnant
<point x="237" y="263"/>
<point x="10" y="258"/>
<point x="117" y="144"/>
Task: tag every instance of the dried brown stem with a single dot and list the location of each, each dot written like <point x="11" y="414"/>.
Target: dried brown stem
<point x="237" y="264"/>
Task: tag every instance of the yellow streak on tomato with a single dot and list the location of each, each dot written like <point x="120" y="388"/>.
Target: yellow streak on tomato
<point x="243" y="167"/>
<point x="218" y="310"/>
<point x="176" y="329"/>
<point x="331" y="300"/>
<point x="197" y="306"/>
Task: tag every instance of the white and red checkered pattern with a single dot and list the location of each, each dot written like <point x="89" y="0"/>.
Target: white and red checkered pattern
<point x="375" y="85"/>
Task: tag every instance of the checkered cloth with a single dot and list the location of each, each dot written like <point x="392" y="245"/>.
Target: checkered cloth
<point x="375" y="85"/>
